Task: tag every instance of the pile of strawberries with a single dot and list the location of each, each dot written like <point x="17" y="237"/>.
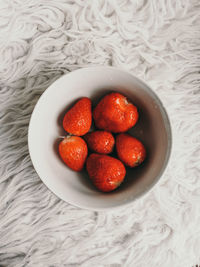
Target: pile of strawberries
<point x="113" y="114"/>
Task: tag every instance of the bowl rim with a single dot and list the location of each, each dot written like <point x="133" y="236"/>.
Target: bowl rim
<point x="167" y="125"/>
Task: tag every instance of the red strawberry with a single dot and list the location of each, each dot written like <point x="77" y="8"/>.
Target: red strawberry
<point x="106" y="172"/>
<point x="115" y="113"/>
<point x="100" y="141"/>
<point x="130" y="150"/>
<point x="78" y="119"/>
<point x="73" y="151"/>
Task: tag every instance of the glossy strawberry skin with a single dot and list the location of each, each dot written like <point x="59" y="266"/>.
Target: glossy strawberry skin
<point x="73" y="151"/>
<point x="101" y="142"/>
<point x="130" y="150"/>
<point x="114" y="113"/>
<point x="78" y="120"/>
<point x="106" y="172"/>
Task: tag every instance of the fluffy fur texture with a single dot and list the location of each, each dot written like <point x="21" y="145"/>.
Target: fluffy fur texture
<point x="157" y="40"/>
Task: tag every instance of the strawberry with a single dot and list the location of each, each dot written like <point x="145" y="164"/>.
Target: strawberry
<point x="73" y="151"/>
<point x="115" y="113"/>
<point x="106" y="172"/>
<point x="78" y="119"/>
<point x="130" y="150"/>
<point x="100" y="141"/>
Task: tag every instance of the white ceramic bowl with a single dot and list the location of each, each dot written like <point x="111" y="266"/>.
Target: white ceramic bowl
<point x="45" y="128"/>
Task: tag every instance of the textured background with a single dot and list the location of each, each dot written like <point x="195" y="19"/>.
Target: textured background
<point x="159" y="42"/>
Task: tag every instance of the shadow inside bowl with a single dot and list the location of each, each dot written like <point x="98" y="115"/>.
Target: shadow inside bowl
<point x="143" y="130"/>
<point x="85" y="180"/>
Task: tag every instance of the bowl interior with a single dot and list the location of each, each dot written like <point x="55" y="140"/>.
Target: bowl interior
<point x="45" y="129"/>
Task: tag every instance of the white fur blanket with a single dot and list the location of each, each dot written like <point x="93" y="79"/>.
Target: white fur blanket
<point x="159" y="41"/>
